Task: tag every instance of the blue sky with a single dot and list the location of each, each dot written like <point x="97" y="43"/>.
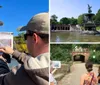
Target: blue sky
<point x="15" y="13"/>
<point x="72" y="8"/>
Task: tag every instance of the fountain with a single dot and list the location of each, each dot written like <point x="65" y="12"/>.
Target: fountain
<point x="88" y="24"/>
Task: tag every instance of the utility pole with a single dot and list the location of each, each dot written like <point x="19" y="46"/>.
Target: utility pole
<point x="1" y="23"/>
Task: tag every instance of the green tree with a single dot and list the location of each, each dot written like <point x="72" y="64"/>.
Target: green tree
<point x="53" y="20"/>
<point x="61" y="52"/>
<point x="73" y="21"/>
<point x="97" y="17"/>
<point x="97" y="56"/>
<point x="65" y="20"/>
<point x="19" y="42"/>
<point x="80" y="19"/>
<point x="20" y="38"/>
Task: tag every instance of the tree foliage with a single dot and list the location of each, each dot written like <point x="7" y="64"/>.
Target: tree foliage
<point x="97" y="17"/>
<point x="65" y="20"/>
<point x="61" y="52"/>
<point x="80" y="19"/>
<point x="73" y="21"/>
<point x="53" y="19"/>
<point x="97" y="57"/>
<point x="19" y="43"/>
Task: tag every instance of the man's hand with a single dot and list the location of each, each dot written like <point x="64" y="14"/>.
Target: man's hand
<point x="7" y="50"/>
<point x="2" y="58"/>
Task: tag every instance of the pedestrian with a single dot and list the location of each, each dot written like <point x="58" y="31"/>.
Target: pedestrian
<point x="99" y="75"/>
<point x="34" y="68"/>
<point x="90" y="77"/>
<point x="4" y="60"/>
<point x="52" y="80"/>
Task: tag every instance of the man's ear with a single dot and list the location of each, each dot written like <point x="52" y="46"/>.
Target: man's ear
<point x="35" y="37"/>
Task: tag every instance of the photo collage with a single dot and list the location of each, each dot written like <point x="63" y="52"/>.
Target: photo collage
<point x="49" y="42"/>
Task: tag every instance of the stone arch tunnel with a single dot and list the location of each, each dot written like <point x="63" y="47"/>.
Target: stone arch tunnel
<point x="80" y="56"/>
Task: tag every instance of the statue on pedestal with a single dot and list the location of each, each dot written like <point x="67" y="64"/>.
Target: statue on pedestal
<point x="89" y="8"/>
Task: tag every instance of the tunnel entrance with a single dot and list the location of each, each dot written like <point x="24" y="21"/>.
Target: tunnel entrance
<point x="79" y="58"/>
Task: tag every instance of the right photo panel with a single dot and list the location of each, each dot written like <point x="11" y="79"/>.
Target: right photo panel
<point x="74" y="42"/>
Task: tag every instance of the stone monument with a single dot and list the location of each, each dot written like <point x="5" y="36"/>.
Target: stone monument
<point x="89" y="24"/>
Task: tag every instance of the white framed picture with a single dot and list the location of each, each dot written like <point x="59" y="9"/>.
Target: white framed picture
<point x="56" y="64"/>
<point x="6" y="39"/>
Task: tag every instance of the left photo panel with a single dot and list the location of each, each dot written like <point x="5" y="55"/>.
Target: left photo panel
<point x="24" y="42"/>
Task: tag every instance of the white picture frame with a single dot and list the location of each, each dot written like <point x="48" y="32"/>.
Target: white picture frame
<point x="56" y="64"/>
<point x="6" y="39"/>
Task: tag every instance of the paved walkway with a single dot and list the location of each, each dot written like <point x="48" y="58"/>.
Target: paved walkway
<point x="73" y="78"/>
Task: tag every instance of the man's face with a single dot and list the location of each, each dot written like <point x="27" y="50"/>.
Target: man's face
<point x="29" y="42"/>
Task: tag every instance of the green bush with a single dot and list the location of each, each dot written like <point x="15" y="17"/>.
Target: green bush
<point x="95" y="60"/>
<point x="61" y="52"/>
<point x="98" y="28"/>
